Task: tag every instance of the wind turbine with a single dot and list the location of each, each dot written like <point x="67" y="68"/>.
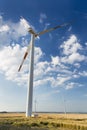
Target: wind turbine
<point x="30" y="49"/>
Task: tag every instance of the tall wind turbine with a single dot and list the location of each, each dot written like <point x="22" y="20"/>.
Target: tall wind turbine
<point x="30" y="49"/>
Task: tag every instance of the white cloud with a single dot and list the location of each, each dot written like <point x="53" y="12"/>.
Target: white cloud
<point x="72" y="85"/>
<point x="19" y="29"/>
<point x="55" y="60"/>
<point x="41" y="82"/>
<point x="12" y="31"/>
<point x="84" y="73"/>
<point x="24" y="23"/>
<point x="4" y="28"/>
<point x="42" y="17"/>
<point x="38" y="54"/>
<point x="71" y="51"/>
<point x="59" y="81"/>
<point x="42" y="66"/>
<point x="75" y="57"/>
<point x="10" y="58"/>
<point x="71" y="45"/>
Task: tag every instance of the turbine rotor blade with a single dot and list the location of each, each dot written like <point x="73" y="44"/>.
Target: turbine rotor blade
<point x="51" y="29"/>
<point x="25" y="55"/>
<point x="21" y="65"/>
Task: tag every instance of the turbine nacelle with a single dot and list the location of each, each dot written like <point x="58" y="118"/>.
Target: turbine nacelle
<point x="31" y="31"/>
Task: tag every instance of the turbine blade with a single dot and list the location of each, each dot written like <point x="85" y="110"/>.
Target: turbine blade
<point x="21" y="65"/>
<point x="25" y="55"/>
<point x="51" y="29"/>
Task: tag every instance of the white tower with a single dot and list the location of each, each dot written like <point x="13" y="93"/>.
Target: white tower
<point x="30" y="87"/>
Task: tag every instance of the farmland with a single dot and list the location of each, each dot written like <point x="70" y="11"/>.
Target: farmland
<point x="18" y="121"/>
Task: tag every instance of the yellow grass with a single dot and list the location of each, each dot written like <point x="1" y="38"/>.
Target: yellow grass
<point x="46" y="115"/>
<point x="69" y="121"/>
<point x="68" y="116"/>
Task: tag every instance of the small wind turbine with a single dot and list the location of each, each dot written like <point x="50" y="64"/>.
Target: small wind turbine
<point x="30" y="49"/>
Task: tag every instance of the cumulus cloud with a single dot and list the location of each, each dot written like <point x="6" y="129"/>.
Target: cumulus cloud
<point x="19" y="29"/>
<point x="12" y="31"/>
<point x="10" y="58"/>
<point x="4" y="28"/>
<point x="9" y="61"/>
<point x="75" y="57"/>
<point x="55" y="60"/>
<point x="24" y="23"/>
<point x="72" y="51"/>
<point x="71" y="45"/>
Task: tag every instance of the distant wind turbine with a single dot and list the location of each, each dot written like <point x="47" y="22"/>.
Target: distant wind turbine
<point x="30" y="49"/>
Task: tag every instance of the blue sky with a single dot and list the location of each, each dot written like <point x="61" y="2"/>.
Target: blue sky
<point x="60" y="66"/>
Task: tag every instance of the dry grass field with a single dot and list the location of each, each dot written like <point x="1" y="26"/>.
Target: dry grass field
<point x="68" y="116"/>
<point x="13" y="121"/>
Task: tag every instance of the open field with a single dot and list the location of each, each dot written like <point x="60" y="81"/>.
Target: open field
<point x="14" y="121"/>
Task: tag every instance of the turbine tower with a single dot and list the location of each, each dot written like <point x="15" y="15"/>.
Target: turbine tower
<point x="30" y="49"/>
